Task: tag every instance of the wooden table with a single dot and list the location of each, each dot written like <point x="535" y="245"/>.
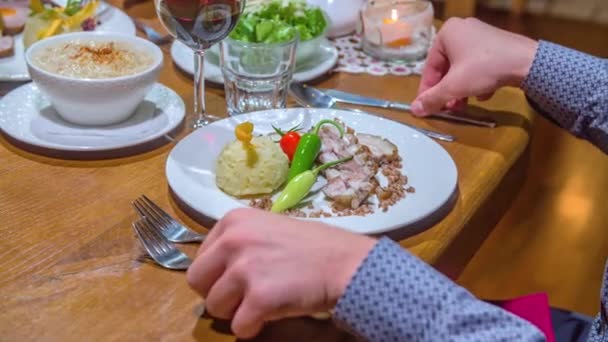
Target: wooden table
<point x="69" y="267"/>
<point x="466" y="8"/>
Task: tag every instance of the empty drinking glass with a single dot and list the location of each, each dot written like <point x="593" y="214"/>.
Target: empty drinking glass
<point x="256" y="75"/>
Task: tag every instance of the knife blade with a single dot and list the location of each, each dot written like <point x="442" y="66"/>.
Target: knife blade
<point x="356" y="99"/>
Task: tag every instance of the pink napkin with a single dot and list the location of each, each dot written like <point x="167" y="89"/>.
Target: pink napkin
<point x="533" y="308"/>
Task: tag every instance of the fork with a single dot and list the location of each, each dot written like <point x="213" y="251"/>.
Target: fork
<point x="153" y="35"/>
<point x="168" y="226"/>
<point x="158" y="247"/>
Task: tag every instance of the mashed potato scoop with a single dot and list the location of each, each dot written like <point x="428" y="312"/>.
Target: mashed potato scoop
<point x="251" y="165"/>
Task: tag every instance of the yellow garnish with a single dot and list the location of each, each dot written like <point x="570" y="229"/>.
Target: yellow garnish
<point x="51" y="30"/>
<point x="76" y="20"/>
<point x="47" y="22"/>
<point x="36" y="6"/>
<point x="244" y="134"/>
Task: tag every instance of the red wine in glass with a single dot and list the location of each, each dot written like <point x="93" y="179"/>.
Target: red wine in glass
<point x="199" y="24"/>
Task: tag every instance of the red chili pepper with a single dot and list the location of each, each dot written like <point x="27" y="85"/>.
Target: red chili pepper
<point x="289" y="141"/>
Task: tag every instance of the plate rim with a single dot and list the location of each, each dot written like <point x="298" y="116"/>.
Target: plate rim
<point x="380" y="230"/>
<point x="66" y="148"/>
<point x="297" y="76"/>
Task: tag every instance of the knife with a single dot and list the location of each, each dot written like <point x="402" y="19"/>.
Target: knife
<point x="356" y="99"/>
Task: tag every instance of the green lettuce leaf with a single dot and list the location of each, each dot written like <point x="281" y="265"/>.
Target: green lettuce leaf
<point x="276" y="22"/>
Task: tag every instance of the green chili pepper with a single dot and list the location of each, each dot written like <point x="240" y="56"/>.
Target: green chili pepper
<point x="308" y="149"/>
<point x="299" y="187"/>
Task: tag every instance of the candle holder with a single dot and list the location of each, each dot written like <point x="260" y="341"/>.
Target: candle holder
<point x="398" y="30"/>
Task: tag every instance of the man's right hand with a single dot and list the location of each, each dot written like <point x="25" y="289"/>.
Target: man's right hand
<point x="471" y="58"/>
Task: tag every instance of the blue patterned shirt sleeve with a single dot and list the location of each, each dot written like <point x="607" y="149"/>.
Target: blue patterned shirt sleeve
<point x="571" y="88"/>
<point x="599" y="329"/>
<point x="394" y="296"/>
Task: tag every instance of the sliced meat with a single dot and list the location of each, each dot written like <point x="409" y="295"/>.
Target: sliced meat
<point x="14" y="19"/>
<point x="7" y="45"/>
<point x="382" y="149"/>
<point x="348" y="184"/>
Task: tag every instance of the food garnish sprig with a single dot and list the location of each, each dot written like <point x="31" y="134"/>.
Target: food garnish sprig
<point x="308" y="149"/>
<point x="67" y="18"/>
<point x="244" y="134"/>
<point x="297" y="188"/>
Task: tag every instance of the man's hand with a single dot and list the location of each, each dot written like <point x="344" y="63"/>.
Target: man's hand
<point x="471" y="58"/>
<point x="256" y="267"/>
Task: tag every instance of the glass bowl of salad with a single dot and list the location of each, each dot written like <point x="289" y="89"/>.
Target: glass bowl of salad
<point x="278" y="21"/>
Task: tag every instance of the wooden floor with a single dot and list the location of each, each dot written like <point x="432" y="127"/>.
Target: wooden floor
<point x="554" y="239"/>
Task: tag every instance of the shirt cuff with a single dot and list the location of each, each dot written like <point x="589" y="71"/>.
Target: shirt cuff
<point x="394" y="296"/>
<point x="390" y="284"/>
<point x="566" y="85"/>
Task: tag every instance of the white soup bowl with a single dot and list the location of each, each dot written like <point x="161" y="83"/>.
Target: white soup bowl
<point x="98" y="101"/>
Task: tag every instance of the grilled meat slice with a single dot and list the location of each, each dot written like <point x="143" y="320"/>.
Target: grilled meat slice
<point x="348" y="184"/>
<point x="383" y="150"/>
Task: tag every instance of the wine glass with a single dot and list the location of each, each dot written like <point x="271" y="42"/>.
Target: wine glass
<point x="199" y="24"/>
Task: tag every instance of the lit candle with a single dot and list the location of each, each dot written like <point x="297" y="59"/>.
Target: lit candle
<point x="395" y="33"/>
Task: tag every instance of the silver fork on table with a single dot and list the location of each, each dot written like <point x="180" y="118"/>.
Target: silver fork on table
<point x="168" y="226"/>
<point x="158" y="247"/>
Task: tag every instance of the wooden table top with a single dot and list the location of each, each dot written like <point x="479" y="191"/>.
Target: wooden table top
<point x="69" y="262"/>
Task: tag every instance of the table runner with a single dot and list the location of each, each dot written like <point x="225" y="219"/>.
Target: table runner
<point x="353" y="60"/>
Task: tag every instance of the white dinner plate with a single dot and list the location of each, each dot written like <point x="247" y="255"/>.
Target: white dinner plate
<point x="14" y="68"/>
<point x="313" y="68"/>
<point x="430" y="170"/>
<point x="27" y="116"/>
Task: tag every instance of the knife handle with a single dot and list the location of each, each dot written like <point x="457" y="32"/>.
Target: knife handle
<point x="466" y="120"/>
<point x="445" y="115"/>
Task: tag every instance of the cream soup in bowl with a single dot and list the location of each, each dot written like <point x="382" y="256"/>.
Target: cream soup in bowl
<point x="93" y="59"/>
<point x="94" y="78"/>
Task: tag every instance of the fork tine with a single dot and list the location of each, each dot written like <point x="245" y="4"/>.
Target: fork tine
<point x="154" y="211"/>
<point x="138" y="208"/>
<point x="145" y="240"/>
<point x="151" y="238"/>
<point x="145" y="211"/>
<point x="158" y="246"/>
<point x="157" y="209"/>
<point x="157" y="238"/>
<point x="168" y="226"/>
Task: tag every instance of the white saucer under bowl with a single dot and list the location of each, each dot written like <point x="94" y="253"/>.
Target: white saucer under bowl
<point x="27" y="116"/>
<point x="314" y="67"/>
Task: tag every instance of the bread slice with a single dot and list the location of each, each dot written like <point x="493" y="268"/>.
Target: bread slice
<point x="7" y="46"/>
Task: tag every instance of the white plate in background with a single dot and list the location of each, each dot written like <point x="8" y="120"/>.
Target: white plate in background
<point x="313" y="68"/>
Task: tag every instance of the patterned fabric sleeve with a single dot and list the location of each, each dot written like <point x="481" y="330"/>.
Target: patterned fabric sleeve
<point x="599" y="329"/>
<point x="571" y="88"/>
<point x="396" y="297"/>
